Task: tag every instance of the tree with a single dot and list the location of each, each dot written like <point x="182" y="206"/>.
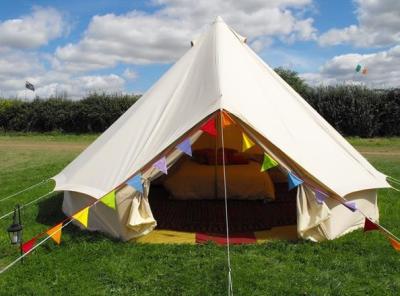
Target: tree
<point x="293" y="79"/>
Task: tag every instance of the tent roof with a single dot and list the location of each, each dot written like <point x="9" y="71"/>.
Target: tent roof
<point x="219" y="72"/>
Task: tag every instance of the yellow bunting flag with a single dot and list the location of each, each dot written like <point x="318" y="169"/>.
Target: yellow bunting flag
<point x="55" y="233"/>
<point x="82" y="216"/>
<point x="226" y="120"/>
<point x="247" y="143"/>
<point x="395" y="244"/>
<point x="109" y="199"/>
<point x="268" y="163"/>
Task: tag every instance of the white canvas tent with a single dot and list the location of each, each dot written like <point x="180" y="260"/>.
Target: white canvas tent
<point x="221" y="72"/>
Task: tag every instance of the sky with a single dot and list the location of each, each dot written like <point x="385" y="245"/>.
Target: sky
<point x="124" y="46"/>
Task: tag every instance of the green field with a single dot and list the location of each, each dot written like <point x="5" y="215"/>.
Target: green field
<point x="92" y="264"/>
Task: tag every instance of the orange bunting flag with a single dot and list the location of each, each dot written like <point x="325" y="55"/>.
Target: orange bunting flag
<point x="365" y="71"/>
<point x="226" y="120"/>
<point x="82" y="216"/>
<point x="369" y="225"/>
<point x="209" y="127"/>
<point x="247" y="143"/>
<point x="55" y="233"/>
<point x="27" y="246"/>
<point x="395" y="244"/>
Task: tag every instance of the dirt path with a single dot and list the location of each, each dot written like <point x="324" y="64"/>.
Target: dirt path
<point x="44" y="145"/>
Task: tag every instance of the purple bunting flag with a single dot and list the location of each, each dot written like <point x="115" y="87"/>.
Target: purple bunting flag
<point x="185" y="147"/>
<point x="136" y="182"/>
<point x="351" y="205"/>
<point x="320" y="196"/>
<point x="161" y="165"/>
<point x="293" y="181"/>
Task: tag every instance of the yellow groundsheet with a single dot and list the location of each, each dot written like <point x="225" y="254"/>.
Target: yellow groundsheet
<point x="179" y="237"/>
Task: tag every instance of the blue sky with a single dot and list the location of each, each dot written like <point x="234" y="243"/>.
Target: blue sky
<point x="124" y="46"/>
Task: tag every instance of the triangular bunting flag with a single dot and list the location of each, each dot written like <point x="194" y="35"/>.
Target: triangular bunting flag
<point x="27" y="246"/>
<point x="185" y="147"/>
<point x="268" y="163"/>
<point x="358" y="68"/>
<point x="395" y="244"/>
<point x="351" y="205"/>
<point x="209" y="127"/>
<point x="109" y="199"/>
<point x="247" y="142"/>
<point x="55" y="233"/>
<point x="369" y="225"/>
<point x="364" y="71"/>
<point x="136" y="182"/>
<point x="226" y="120"/>
<point x="161" y="165"/>
<point x="82" y="216"/>
<point x="293" y="181"/>
<point x="320" y="196"/>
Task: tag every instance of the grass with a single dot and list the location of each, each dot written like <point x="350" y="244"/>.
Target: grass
<point x="92" y="264"/>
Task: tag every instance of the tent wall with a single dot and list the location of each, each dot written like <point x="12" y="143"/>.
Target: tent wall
<point x="331" y="219"/>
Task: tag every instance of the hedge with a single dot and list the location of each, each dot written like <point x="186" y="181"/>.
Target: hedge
<point x="352" y="110"/>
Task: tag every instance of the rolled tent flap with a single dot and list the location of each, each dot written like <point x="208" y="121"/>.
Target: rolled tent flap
<point x="141" y="218"/>
<point x="310" y="215"/>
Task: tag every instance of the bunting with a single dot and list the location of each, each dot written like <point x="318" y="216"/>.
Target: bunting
<point x="395" y="244"/>
<point x="351" y="205"/>
<point x="365" y="71"/>
<point x="161" y="165"/>
<point x="268" y="163"/>
<point x="185" y="147"/>
<point x="247" y="143"/>
<point x="294" y="181"/>
<point x="369" y="225"/>
<point x="55" y="233"/>
<point x="109" y="199"/>
<point x="358" y="68"/>
<point x="226" y="120"/>
<point x="209" y="127"/>
<point x="320" y="197"/>
<point x="27" y="246"/>
<point x="136" y="183"/>
<point x="82" y="216"/>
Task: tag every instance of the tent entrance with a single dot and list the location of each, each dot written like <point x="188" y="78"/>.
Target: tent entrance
<point x="191" y="196"/>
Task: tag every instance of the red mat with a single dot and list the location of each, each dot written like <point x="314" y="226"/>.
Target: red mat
<point x="220" y="239"/>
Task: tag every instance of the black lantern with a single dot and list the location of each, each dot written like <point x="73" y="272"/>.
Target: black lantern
<point x="15" y="229"/>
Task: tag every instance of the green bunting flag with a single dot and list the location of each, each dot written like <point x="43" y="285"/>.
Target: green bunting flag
<point x="268" y="163"/>
<point x="358" y="68"/>
<point x="109" y="199"/>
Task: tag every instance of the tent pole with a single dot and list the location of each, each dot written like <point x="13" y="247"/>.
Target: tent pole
<point x="216" y="157"/>
<point x="230" y="286"/>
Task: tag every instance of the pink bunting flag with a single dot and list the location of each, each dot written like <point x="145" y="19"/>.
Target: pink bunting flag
<point x="185" y="147"/>
<point x="27" y="246"/>
<point x="161" y="165"/>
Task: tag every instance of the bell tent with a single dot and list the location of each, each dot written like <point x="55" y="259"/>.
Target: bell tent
<point x="222" y="127"/>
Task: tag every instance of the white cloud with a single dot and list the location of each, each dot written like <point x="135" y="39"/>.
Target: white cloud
<point x="383" y="69"/>
<point x="378" y="25"/>
<point x="32" y="31"/>
<point x="162" y="36"/>
<point x="129" y="74"/>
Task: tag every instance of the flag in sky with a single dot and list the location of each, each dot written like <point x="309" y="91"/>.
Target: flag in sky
<point x="30" y="86"/>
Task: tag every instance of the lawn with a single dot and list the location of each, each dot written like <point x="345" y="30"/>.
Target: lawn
<point x="92" y="264"/>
